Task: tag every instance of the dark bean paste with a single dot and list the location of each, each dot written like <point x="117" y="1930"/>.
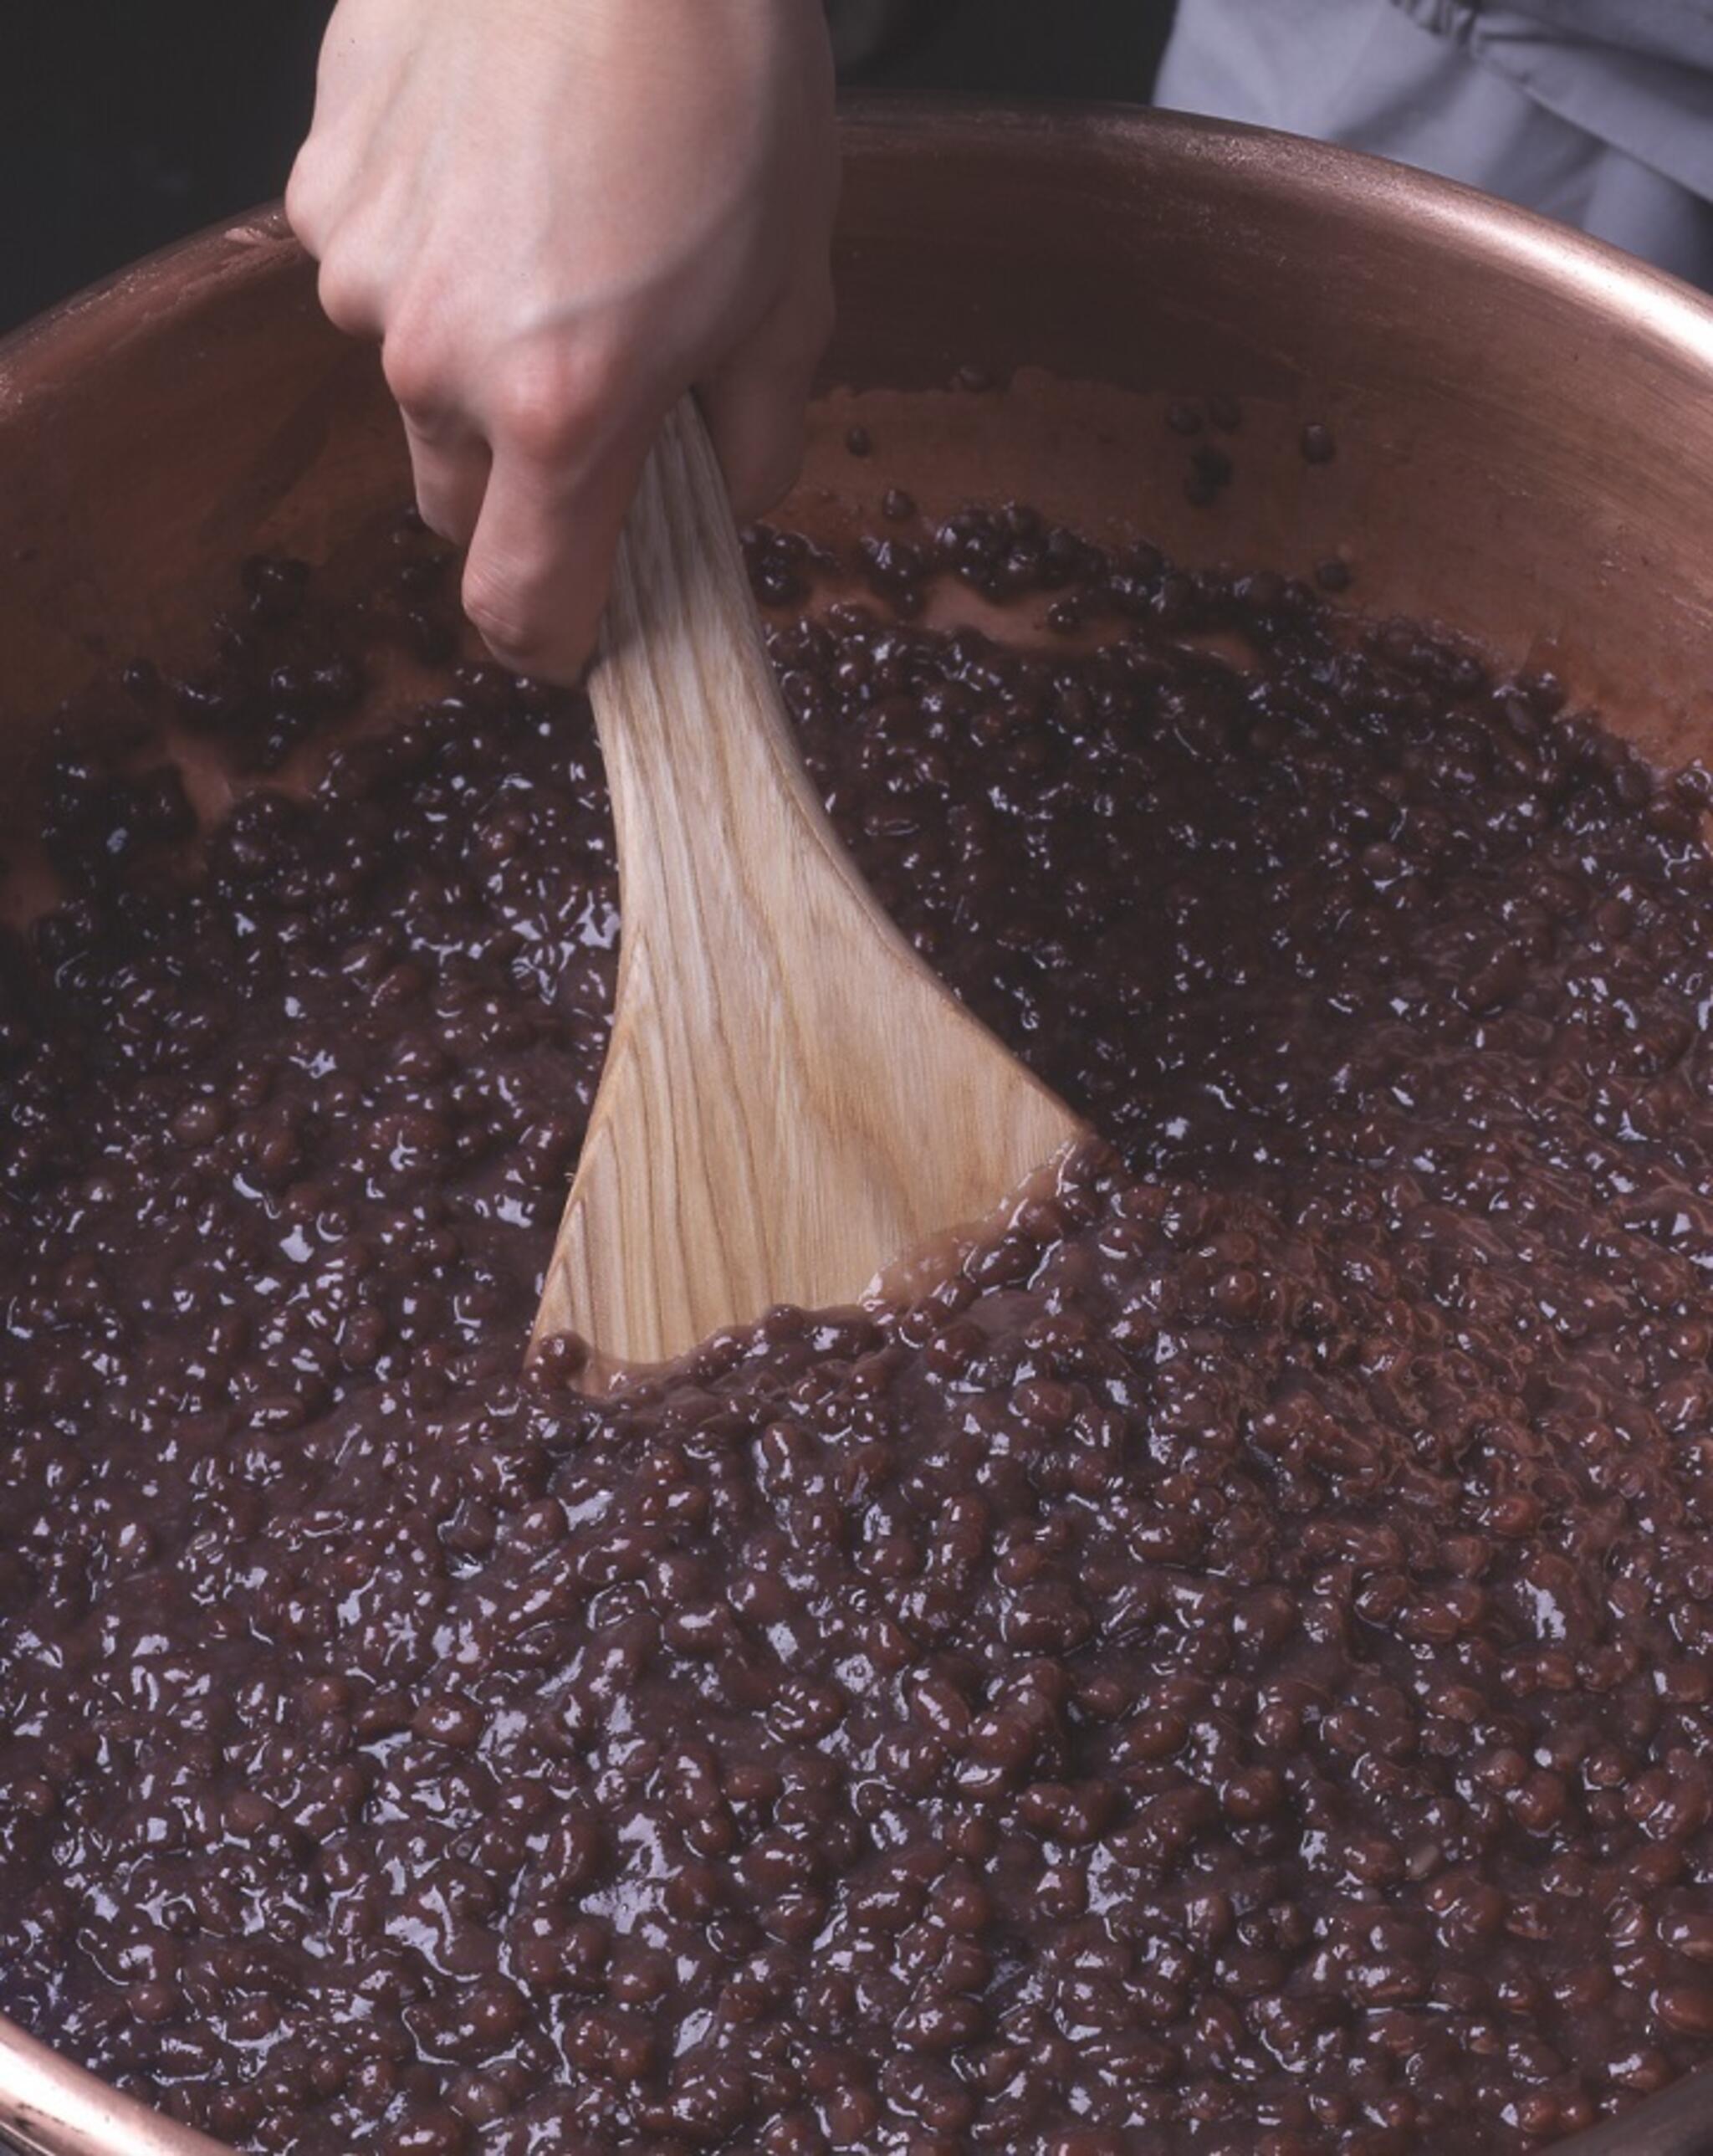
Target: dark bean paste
<point x="1228" y="1671"/>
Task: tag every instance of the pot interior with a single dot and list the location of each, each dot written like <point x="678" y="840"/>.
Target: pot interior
<point x="1480" y="419"/>
<point x="1518" y="421"/>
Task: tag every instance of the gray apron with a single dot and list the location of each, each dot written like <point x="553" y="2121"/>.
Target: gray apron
<point x="1599" y="112"/>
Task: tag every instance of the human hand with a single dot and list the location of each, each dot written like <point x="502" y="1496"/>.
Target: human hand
<point x="558" y="215"/>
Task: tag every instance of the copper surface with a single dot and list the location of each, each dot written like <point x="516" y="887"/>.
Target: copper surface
<point x="1523" y="422"/>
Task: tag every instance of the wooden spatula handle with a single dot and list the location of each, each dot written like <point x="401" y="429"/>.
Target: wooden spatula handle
<point x="700" y="753"/>
<point x="50" y="2108"/>
<point x="790" y="1099"/>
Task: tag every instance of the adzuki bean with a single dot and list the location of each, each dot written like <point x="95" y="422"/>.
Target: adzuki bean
<point x="1228" y="1669"/>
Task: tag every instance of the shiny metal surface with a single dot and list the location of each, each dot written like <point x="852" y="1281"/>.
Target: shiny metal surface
<point x="1523" y="422"/>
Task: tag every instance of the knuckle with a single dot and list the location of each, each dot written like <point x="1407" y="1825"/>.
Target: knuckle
<point x="549" y="398"/>
<point x="501" y="615"/>
<point x="345" y="293"/>
<point x="419" y="371"/>
<point x="305" y="198"/>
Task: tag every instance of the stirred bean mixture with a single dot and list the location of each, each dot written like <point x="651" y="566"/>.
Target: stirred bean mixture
<point x="1229" y="1670"/>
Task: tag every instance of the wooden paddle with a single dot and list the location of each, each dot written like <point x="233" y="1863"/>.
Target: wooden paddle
<point x="50" y="2108"/>
<point x="792" y="1102"/>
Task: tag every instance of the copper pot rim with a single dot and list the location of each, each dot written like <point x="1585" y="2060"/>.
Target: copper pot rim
<point x="49" y="2105"/>
<point x="173" y="277"/>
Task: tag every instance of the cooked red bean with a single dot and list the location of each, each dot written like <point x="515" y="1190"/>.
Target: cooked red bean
<point x="1229" y="1670"/>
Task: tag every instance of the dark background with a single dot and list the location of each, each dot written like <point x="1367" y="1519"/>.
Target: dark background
<point x="126" y="123"/>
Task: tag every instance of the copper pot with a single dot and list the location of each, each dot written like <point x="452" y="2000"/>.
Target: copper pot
<point x="1522" y="422"/>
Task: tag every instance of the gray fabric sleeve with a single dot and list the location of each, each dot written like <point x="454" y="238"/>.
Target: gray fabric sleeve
<point x="1680" y="32"/>
<point x="1605" y="137"/>
<point x="1637" y="74"/>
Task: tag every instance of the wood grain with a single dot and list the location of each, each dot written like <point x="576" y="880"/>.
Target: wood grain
<point x="50" y="2108"/>
<point x="792" y="1101"/>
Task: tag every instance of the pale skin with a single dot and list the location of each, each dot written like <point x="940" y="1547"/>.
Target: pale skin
<point x="556" y="216"/>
